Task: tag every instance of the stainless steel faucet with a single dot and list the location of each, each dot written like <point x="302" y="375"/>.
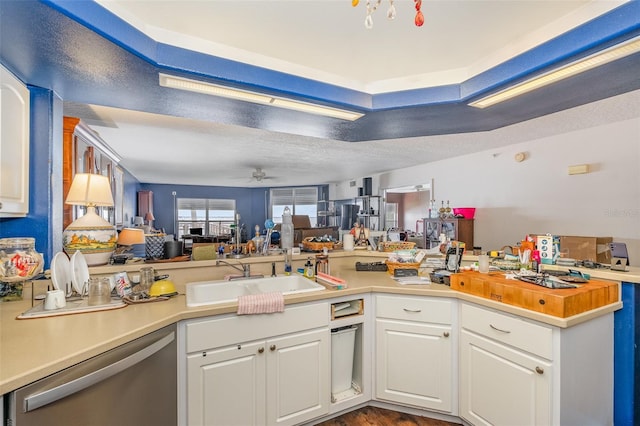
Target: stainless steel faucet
<point x="246" y="268"/>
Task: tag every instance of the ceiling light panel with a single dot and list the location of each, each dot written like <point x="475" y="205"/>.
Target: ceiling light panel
<point x="316" y="109"/>
<point x="244" y="95"/>
<point x="212" y="89"/>
<point x="574" y="68"/>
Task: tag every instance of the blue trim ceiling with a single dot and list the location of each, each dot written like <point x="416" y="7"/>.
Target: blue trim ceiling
<point x="87" y="55"/>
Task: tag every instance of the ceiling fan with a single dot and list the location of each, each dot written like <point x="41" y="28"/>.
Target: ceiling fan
<point x="259" y="174"/>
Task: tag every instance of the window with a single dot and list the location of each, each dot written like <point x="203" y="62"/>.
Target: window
<point x="205" y="216"/>
<point x="301" y="201"/>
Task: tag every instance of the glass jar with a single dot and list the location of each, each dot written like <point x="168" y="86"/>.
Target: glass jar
<point x="147" y="277"/>
<point x="19" y="260"/>
<point x="99" y="291"/>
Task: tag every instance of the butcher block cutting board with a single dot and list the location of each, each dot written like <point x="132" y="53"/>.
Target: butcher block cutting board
<point x="561" y="303"/>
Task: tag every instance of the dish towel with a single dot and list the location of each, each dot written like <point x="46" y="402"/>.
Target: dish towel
<point x="265" y="303"/>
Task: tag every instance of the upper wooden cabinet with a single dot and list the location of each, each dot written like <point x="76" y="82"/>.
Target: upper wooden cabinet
<point x="145" y="203"/>
<point x="85" y="152"/>
<point x="14" y="146"/>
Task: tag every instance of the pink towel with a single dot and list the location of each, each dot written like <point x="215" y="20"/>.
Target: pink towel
<point x="266" y="303"/>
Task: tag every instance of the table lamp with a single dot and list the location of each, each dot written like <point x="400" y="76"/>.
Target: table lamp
<point x="90" y="234"/>
<point x="149" y="218"/>
<point x="132" y="239"/>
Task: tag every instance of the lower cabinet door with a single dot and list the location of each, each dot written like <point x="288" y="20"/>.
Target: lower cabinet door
<point x="500" y="385"/>
<point x="414" y="364"/>
<point x="298" y="377"/>
<point x="226" y="387"/>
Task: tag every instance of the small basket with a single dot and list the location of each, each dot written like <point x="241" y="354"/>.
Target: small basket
<point x="310" y="245"/>
<point x="392" y="266"/>
<point x="389" y="246"/>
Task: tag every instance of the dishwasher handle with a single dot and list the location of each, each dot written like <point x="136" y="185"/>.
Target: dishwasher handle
<point x="41" y="399"/>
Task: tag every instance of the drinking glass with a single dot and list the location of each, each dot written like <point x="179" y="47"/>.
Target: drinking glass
<point x="146" y="279"/>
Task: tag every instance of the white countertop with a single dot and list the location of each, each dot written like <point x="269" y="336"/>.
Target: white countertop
<point x="34" y="348"/>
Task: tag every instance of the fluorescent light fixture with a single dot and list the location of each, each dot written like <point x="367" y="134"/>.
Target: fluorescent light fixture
<point x="569" y="70"/>
<point x="259" y="98"/>
<point x="316" y="109"/>
<point x="212" y="89"/>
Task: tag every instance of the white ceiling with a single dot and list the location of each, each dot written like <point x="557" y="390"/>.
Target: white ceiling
<point x="326" y="41"/>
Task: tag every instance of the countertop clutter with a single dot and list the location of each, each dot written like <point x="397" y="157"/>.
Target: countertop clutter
<point x="34" y="348"/>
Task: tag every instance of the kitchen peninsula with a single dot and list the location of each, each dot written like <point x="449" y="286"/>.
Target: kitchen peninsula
<point x="32" y="349"/>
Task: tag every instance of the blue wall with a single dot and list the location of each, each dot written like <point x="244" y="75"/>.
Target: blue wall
<point x="251" y="203"/>
<point x="626" y="361"/>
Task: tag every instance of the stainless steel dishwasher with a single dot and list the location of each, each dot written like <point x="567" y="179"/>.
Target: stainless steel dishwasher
<point x="133" y="384"/>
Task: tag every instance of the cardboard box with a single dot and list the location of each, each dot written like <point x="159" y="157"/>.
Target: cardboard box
<point x="587" y="248"/>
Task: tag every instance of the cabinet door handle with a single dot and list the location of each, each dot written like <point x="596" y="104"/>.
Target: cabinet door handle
<point x="445" y="334"/>
<point x="539" y="370"/>
<point x="260" y="350"/>
<point x="498" y="329"/>
<point x="272" y="348"/>
<point x="413" y="311"/>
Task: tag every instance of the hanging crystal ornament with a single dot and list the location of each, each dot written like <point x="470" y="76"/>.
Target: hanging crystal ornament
<point x="368" y="21"/>
<point x="419" y="21"/>
<point x="391" y="13"/>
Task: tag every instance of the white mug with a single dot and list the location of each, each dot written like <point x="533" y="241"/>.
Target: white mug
<point x="54" y="300"/>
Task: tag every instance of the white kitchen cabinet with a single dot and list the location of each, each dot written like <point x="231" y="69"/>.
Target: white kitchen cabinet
<point x="501" y="385"/>
<point x="14" y="146"/>
<point x="415" y="352"/>
<point x="273" y="380"/>
<point x="298" y="372"/>
<point x="519" y="372"/>
<point x="227" y="386"/>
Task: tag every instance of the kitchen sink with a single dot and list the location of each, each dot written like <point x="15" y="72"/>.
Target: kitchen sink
<point x="203" y="293"/>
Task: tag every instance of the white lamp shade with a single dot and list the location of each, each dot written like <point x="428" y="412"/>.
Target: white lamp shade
<point x="88" y="189"/>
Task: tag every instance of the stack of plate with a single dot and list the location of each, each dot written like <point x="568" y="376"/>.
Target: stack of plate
<point x="69" y="274"/>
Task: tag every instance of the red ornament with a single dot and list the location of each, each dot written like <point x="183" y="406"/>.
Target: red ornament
<point x="418" y="4"/>
<point x="419" y="19"/>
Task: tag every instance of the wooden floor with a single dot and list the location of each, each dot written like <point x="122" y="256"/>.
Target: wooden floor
<point x="373" y="416"/>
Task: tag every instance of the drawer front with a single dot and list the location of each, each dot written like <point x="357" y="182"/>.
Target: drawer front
<point x="415" y="308"/>
<point x="534" y="338"/>
<point x="215" y="332"/>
